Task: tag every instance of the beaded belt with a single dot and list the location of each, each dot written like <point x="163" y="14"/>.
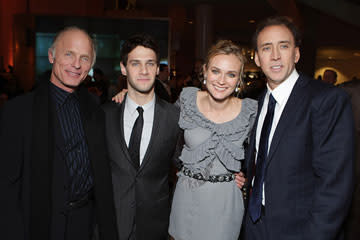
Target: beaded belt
<point x="212" y="178"/>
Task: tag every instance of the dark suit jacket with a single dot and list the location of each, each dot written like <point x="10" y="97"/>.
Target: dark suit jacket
<point x="26" y="172"/>
<point x="142" y="197"/>
<point x="160" y="91"/>
<point x="309" y="170"/>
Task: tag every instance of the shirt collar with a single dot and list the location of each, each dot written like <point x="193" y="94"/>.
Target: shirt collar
<point x="282" y="92"/>
<point x="60" y="96"/>
<point x="131" y="106"/>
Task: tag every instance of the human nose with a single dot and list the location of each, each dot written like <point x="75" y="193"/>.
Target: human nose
<point x="275" y="54"/>
<point x="76" y="63"/>
<point x="144" y="70"/>
<point x="221" y="79"/>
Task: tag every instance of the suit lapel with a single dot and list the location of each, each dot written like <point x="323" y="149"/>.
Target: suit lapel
<point x="41" y="163"/>
<point x="287" y="115"/>
<point x="158" y="118"/>
<point x="118" y="126"/>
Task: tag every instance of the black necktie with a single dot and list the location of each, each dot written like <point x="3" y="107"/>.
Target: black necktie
<point x="256" y="195"/>
<point x="135" y="139"/>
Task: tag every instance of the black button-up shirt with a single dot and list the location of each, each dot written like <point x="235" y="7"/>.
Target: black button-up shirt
<point x="75" y="150"/>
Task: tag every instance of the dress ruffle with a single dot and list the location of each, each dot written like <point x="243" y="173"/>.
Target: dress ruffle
<point x="221" y="144"/>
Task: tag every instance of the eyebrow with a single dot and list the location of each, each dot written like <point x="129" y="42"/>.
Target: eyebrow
<point x="81" y="55"/>
<point x="137" y="60"/>
<point x="85" y="55"/>
<point x="269" y="43"/>
<point x="285" y="41"/>
<point x="230" y="71"/>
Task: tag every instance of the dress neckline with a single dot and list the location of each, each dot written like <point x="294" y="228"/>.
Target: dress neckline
<point x="215" y="123"/>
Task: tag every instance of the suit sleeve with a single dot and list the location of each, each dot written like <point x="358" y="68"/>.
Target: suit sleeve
<point x="332" y="163"/>
<point x="179" y="146"/>
<point x="11" y="217"/>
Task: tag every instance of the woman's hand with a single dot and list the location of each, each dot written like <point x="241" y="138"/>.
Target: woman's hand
<point x="118" y="98"/>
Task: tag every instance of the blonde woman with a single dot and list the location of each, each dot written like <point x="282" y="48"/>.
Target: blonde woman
<point x="207" y="202"/>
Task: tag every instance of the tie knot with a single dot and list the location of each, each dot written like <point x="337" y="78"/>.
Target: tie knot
<point x="140" y="110"/>
<point x="272" y="100"/>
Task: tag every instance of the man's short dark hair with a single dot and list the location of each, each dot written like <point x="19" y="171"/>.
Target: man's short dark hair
<point x="276" y="21"/>
<point x="141" y="39"/>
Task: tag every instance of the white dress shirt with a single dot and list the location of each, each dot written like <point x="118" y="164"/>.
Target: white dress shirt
<point x="281" y="94"/>
<point x="130" y="116"/>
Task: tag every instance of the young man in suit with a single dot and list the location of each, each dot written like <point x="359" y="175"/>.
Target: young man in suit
<point x="300" y="159"/>
<point x="141" y="134"/>
<point x="55" y="178"/>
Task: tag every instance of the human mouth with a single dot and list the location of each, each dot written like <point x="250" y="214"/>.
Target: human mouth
<point x="143" y="79"/>
<point x="220" y="88"/>
<point x="73" y="74"/>
<point x="276" y="68"/>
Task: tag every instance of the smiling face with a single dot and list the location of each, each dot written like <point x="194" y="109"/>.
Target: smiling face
<point x="222" y="75"/>
<point x="72" y="60"/>
<point x="141" y="70"/>
<point x="276" y="54"/>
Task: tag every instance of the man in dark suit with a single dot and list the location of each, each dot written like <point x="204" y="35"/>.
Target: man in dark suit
<point x="352" y="230"/>
<point x="55" y="179"/>
<point x="300" y="159"/>
<point x="141" y="135"/>
<point x="162" y="88"/>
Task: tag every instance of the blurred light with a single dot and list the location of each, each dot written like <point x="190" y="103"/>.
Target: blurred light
<point x="164" y="61"/>
<point x="251" y="21"/>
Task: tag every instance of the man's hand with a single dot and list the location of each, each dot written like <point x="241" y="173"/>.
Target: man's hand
<point x="118" y="98"/>
<point x="240" y="179"/>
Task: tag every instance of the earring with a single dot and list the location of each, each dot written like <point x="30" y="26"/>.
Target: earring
<point x="237" y="87"/>
<point x="204" y="82"/>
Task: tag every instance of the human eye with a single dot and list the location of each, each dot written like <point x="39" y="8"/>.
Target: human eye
<point x="231" y="75"/>
<point x="284" y="46"/>
<point x="134" y="64"/>
<point x="214" y="71"/>
<point x="68" y="54"/>
<point x="85" y="59"/>
<point x="266" y="48"/>
<point x="151" y="64"/>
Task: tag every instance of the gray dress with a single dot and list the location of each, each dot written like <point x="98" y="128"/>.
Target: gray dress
<point x="201" y="209"/>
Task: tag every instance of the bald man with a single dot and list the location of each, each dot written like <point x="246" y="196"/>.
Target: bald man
<point x="55" y="179"/>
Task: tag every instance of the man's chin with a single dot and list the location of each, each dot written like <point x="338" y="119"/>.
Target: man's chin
<point x="145" y="91"/>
